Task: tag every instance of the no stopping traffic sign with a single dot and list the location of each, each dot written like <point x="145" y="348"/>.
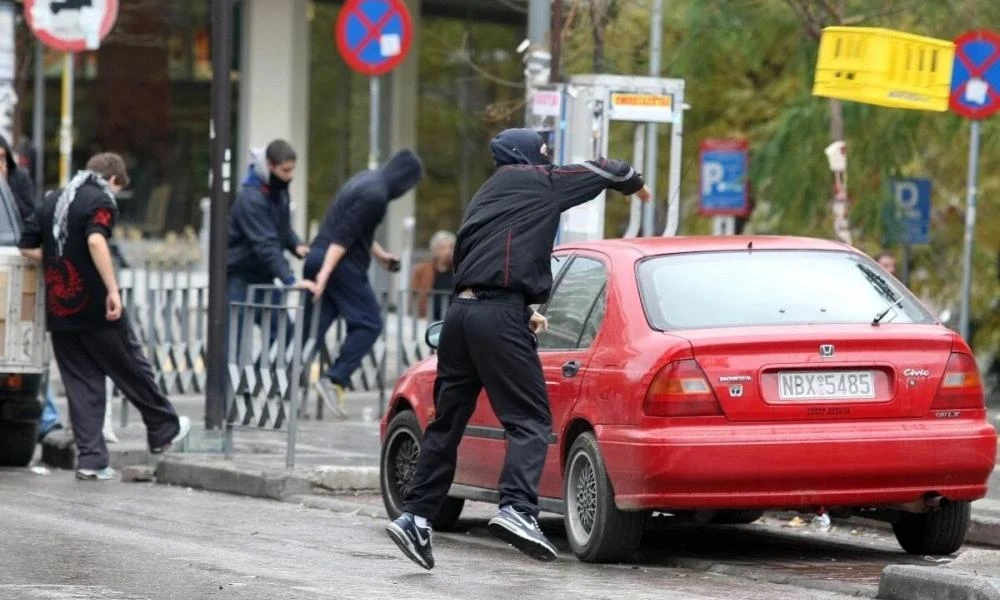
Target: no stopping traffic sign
<point x="373" y="36"/>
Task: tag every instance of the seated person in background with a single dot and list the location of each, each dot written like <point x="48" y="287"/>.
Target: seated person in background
<point x="435" y="275"/>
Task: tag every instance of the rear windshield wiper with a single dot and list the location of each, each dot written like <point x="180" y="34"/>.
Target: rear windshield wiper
<point x="878" y="318"/>
<point x="882" y="286"/>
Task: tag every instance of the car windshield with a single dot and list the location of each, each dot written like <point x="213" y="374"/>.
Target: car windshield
<point x="775" y="287"/>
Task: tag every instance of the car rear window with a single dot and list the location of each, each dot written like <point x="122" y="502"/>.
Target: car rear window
<point x="772" y="287"/>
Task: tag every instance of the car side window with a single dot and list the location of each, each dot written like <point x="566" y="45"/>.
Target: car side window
<point x="593" y="324"/>
<point x="570" y="307"/>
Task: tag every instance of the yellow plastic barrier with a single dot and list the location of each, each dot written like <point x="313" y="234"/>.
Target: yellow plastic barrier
<point x="884" y="67"/>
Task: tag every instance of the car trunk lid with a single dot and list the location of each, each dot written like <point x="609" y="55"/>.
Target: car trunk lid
<point x="823" y="372"/>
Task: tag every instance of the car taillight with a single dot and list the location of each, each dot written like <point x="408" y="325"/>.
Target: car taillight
<point x="12" y="383"/>
<point x="961" y="386"/>
<point x="681" y="389"/>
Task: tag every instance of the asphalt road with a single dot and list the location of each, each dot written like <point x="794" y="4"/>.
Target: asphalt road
<point x="68" y="540"/>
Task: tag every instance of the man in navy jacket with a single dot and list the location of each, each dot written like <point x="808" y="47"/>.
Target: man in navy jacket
<point x="260" y="227"/>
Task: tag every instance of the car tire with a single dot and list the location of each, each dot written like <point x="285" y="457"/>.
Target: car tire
<point x="936" y="533"/>
<point x="596" y="529"/>
<point x="398" y="465"/>
<point x="736" y="517"/>
<point x="17" y="443"/>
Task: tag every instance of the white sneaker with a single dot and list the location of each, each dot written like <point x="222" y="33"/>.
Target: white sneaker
<point x="105" y="474"/>
<point x="182" y="434"/>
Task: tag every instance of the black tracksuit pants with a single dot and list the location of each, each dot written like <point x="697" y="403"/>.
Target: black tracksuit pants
<point x="84" y="359"/>
<point x="485" y="343"/>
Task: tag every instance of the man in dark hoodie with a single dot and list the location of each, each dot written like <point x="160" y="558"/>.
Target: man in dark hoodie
<point x="502" y="267"/>
<point x="339" y="259"/>
<point x="260" y="227"/>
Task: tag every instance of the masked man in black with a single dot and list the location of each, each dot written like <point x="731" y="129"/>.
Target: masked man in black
<point x="502" y="266"/>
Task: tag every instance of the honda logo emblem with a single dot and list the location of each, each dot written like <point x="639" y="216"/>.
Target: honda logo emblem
<point x="826" y="350"/>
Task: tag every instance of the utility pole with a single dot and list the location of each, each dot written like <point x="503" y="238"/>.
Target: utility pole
<point x="556" y="40"/>
<point x="537" y="58"/>
<point x="652" y="139"/>
<point x="218" y="307"/>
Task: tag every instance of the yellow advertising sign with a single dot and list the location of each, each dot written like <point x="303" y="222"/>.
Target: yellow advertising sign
<point x="647" y="108"/>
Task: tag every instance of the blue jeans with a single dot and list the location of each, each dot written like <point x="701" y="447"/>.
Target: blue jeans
<point x="236" y="291"/>
<point x="50" y="414"/>
<point x="348" y="294"/>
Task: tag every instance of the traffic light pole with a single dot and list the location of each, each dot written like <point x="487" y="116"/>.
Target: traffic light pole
<point x="216" y="385"/>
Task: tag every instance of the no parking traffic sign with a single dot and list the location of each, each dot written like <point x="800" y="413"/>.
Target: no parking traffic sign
<point x="975" y="79"/>
<point x="71" y="25"/>
<point x="374" y="36"/>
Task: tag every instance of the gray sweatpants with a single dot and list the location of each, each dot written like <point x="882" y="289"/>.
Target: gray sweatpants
<point x="85" y="358"/>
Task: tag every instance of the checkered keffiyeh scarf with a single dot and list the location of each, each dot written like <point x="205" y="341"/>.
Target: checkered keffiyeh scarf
<point x="60" y="231"/>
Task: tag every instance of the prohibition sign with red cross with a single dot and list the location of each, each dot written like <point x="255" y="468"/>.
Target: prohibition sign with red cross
<point x="975" y="79"/>
<point x="373" y="36"/>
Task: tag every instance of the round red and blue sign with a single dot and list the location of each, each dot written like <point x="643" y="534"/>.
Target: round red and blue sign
<point x="374" y="36"/>
<point x="975" y="79"/>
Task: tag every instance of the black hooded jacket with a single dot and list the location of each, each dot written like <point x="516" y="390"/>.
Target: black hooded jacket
<point x="19" y="181"/>
<point x="360" y="206"/>
<point x="505" y="241"/>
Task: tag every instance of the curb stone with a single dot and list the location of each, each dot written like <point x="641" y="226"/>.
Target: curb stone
<point x="231" y="478"/>
<point x="275" y="484"/>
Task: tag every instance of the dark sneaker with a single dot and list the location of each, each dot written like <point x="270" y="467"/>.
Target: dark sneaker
<point x="414" y="541"/>
<point x="522" y="532"/>
<point x="105" y="474"/>
<point x="182" y="433"/>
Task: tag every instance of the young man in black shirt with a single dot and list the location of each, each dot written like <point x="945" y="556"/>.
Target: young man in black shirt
<point x="91" y="337"/>
<point x="502" y="266"/>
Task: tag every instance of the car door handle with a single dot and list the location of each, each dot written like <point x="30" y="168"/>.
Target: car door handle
<point x="571" y="368"/>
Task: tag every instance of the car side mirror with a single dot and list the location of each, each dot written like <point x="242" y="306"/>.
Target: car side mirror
<point x="433" y="334"/>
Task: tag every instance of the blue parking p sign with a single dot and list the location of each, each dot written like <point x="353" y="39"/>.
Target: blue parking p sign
<point x="723" y="180"/>
<point x="913" y="204"/>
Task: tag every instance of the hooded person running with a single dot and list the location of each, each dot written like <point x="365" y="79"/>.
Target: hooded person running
<point x="502" y="267"/>
<point x="338" y="262"/>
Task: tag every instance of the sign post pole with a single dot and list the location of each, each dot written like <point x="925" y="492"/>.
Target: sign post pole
<point x="970" y="230"/>
<point x="66" y="121"/>
<point x="374" y="124"/>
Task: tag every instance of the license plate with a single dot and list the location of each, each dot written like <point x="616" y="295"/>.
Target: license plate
<point x="837" y="385"/>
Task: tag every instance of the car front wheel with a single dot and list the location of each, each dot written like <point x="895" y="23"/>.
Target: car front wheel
<point x="939" y="532"/>
<point x="597" y="530"/>
<point x="400" y="453"/>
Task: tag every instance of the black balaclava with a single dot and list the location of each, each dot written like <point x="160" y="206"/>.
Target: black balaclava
<point x="518" y="147"/>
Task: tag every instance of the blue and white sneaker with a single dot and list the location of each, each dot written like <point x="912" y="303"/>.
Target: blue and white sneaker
<point x="105" y="474"/>
<point x="413" y="540"/>
<point x="522" y="532"/>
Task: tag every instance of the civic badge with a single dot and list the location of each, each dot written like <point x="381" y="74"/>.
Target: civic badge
<point x="826" y="350"/>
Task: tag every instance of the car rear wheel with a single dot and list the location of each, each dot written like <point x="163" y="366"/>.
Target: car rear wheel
<point x="597" y="530"/>
<point x="736" y="517"/>
<point x="400" y="453"/>
<point x="17" y="443"/>
<point x="939" y="532"/>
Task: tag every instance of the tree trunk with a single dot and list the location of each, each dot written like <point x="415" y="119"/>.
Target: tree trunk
<point x="599" y="23"/>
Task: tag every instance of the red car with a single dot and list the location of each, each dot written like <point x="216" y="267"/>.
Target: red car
<point x="728" y="375"/>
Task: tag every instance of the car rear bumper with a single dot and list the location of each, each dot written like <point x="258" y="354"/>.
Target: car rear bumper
<point x="797" y="465"/>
